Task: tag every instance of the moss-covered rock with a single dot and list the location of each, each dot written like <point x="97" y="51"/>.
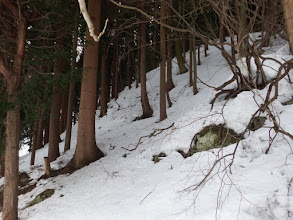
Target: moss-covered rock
<point x="213" y="136"/>
<point x="41" y="197"/>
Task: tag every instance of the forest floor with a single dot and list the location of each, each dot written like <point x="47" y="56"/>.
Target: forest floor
<point x="130" y="185"/>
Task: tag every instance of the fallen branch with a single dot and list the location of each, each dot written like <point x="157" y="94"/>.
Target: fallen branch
<point x="148" y="136"/>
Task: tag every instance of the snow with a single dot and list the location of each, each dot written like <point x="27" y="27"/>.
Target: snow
<point x="129" y="185"/>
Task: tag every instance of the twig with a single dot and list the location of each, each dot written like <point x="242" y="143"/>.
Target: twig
<point x="146" y="196"/>
<point x="151" y="135"/>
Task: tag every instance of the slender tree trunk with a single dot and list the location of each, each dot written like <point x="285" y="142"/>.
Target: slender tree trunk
<point x="147" y="111"/>
<point x="243" y="34"/>
<point x="195" y="90"/>
<point x="163" y="112"/>
<point x="178" y="50"/>
<point x="46" y="128"/>
<point x="198" y="53"/>
<point x="288" y="16"/>
<point x="54" y="134"/>
<point x="137" y="74"/>
<point x="206" y="47"/>
<point x="170" y="85"/>
<point x="71" y="86"/>
<point x="104" y="80"/>
<point x="33" y="153"/>
<point x="86" y="148"/>
<point x="129" y="74"/>
<point x="115" y="69"/>
<point x="190" y="59"/>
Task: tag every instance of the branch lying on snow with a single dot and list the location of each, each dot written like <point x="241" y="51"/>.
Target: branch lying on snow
<point x="148" y="136"/>
<point x="89" y="22"/>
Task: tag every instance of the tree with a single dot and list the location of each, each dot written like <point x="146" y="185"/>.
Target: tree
<point x="11" y="68"/>
<point x="163" y="113"/>
<point x="86" y="148"/>
<point x="147" y="111"/>
<point x="288" y="12"/>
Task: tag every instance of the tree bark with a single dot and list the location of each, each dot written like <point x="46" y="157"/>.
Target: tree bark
<point x="13" y="79"/>
<point x="163" y="112"/>
<point x="71" y="86"/>
<point x="147" y="111"/>
<point x="178" y="50"/>
<point x="195" y="90"/>
<point x="190" y="59"/>
<point x="86" y="148"/>
<point x="104" y="79"/>
<point x="54" y="134"/>
<point x="288" y="16"/>
<point x="169" y="85"/>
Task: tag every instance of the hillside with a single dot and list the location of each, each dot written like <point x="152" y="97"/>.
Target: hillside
<point x="130" y="185"/>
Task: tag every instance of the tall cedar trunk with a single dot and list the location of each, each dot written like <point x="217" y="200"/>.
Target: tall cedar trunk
<point x="86" y="148"/>
<point x="170" y="85"/>
<point x="195" y="90"/>
<point x="35" y="136"/>
<point x="154" y="46"/>
<point x="190" y="59"/>
<point x="13" y="78"/>
<point x="54" y="134"/>
<point x="178" y="50"/>
<point x="47" y="131"/>
<point x="243" y="34"/>
<point x="163" y="112"/>
<point x="129" y="74"/>
<point x="64" y="108"/>
<point x="104" y="79"/>
<point x="147" y="111"/>
<point x="288" y="16"/>
<point x="137" y="73"/>
<point x="71" y="86"/>
<point x="115" y="69"/>
<point x="198" y="53"/>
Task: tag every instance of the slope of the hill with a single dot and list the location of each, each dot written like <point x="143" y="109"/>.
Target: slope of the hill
<point x="129" y="185"/>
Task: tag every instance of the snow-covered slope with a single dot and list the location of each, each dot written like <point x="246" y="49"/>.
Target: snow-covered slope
<point x="129" y="185"/>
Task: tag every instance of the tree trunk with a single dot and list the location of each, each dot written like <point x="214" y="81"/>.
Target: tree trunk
<point x="13" y="78"/>
<point x="54" y="134"/>
<point x="46" y="128"/>
<point x="147" y="111"/>
<point x="33" y="153"/>
<point x="163" y="112"/>
<point x="243" y="26"/>
<point x="178" y="50"/>
<point x="170" y="85"/>
<point x="104" y="79"/>
<point x="288" y="16"/>
<point x="198" y="53"/>
<point x="86" y="148"/>
<point x="195" y="90"/>
<point x="190" y="59"/>
<point x="129" y="74"/>
<point x="71" y="87"/>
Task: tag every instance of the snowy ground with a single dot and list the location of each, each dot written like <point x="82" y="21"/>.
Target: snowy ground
<point x="129" y="185"/>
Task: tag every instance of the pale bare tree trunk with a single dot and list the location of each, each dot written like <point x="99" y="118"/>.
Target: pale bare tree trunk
<point x="288" y="16"/>
<point x="163" y="112"/>
<point x="147" y="111"/>
<point x="86" y="148"/>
